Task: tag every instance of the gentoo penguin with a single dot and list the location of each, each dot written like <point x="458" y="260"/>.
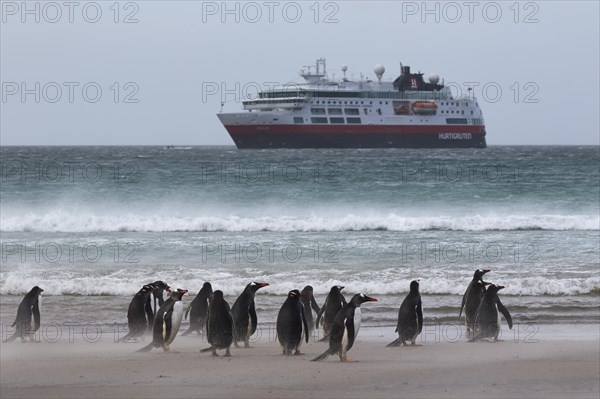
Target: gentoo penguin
<point x="136" y="315"/>
<point x="308" y="300"/>
<point x="27" y="321"/>
<point x="472" y="298"/>
<point x="157" y="295"/>
<point x="198" y="310"/>
<point x="487" y="319"/>
<point x="219" y="325"/>
<point x="334" y="302"/>
<point x="344" y="329"/>
<point x="410" y="317"/>
<point x="167" y="322"/>
<point x="290" y="323"/>
<point x="244" y="314"/>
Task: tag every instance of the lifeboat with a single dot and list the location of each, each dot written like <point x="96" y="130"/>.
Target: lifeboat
<point x="424" y="108"/>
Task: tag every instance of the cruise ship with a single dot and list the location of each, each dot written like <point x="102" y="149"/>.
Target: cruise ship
<point x="322" y="113"/>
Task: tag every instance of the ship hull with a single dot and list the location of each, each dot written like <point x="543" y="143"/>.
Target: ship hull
<point x="370" y="136"/>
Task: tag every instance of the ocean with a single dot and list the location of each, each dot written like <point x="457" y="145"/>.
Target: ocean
<point x="91" y="225"/>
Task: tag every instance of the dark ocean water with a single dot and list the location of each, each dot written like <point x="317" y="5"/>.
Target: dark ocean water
<point x="90" y="225"/>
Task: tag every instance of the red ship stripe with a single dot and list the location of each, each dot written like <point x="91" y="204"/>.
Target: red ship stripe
<point x="355" y="129"/>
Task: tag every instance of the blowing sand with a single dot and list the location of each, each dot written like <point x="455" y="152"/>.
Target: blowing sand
<point x="545" y="369"/>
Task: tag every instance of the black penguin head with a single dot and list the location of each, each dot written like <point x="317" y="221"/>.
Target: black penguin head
<point x="254" y="286"/>
<point x="414" y="286"/>
<point x="37" y="290"/>
<point x="161" y="285"/>
<point x="294" y="294"/>
<point x="359" y="299"/>
<point x="336" y="289"/>
<point x="217" y="295"/>
<point x="207" y="287"/>
<point x="177" y="295"/>
<point x="478" y="275"/>
<point x="493" y="288"/>
<point x="147" y="288"/>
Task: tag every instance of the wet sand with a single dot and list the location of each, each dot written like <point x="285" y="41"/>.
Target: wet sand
<point x="549" y="368"/>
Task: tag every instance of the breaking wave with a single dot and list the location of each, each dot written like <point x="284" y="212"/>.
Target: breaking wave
<point x="60" y="221"/>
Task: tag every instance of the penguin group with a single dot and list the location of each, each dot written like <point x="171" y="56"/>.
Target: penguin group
<point x="211" y="316"/>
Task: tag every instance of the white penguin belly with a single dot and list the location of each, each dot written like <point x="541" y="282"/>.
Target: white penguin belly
<point x="176" y="318"/>
<point x="357" y="320"/>
<point x="40" y="309"/>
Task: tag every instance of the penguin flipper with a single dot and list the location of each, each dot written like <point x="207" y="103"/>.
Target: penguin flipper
<point x="253" y="319"/>
<point x="322" y="356"/>
<point x="186" y="312"/>
<point x="396" y="342"/>
<point x="146" y="348"/>
<point x="313" y="304"/>
<point x="464" y="301"/>
<point x="419" y="317"/>
<point x="36" y="316"/>
<point x="504" y="311"/>
<point x="320" y="313"/>
<point x="304" y="322"/>
<point x="325" y="338"/>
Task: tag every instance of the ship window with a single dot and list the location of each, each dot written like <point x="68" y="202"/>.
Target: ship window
<point x="463" y="112"/>
<point x="353" y="120"/>
<point x="298" y="119"/>
<point x="318" y="120"/>
<point x="351" y="111"/>
<point x="471" y="112"/>
<point x="335" y="111"/>
<point x="336" y="120"/>
<point x="318" y="111"/>
<point x="456" y="121"/>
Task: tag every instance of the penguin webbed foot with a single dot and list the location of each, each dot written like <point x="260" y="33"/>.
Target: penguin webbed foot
<point x="227" y="353"/>
<point x="298" y="353"/>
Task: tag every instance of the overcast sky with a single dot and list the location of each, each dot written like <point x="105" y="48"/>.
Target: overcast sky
<point x="154" y="72"/>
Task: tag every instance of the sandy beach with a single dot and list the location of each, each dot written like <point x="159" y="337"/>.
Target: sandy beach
<point x="549" y="368"/>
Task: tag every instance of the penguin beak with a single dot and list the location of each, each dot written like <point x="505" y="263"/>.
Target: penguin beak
<point x="342" y="287"/>
<point x="262" y="285"/>
<point x="168" y="289"/>
<point x="369" y="299"/>
<point x="486" y="271"/>
<point x="500" y="287"/>
<point x="182" y="291"/>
